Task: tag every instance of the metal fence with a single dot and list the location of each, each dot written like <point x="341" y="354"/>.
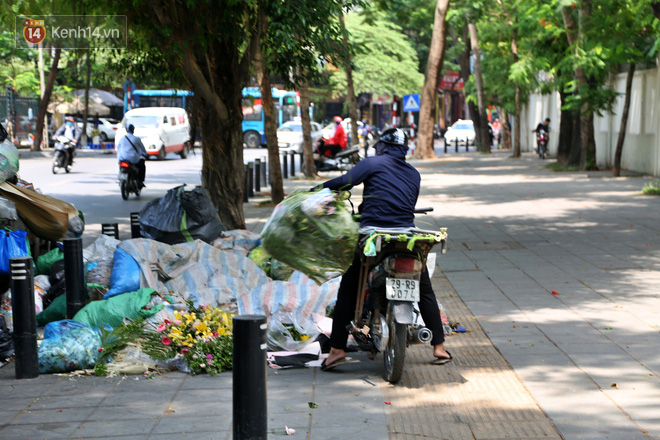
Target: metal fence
<point x="19" y="115"/>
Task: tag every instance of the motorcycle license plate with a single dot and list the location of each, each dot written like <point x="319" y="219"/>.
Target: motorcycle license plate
<point x="401" y="289"/>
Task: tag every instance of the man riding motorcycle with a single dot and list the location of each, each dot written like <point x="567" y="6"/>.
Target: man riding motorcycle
<point x="391" y="189"/>
<point x="70" y="131"/>
<point x="130" y="149"/>
<point x="336" y="143"/>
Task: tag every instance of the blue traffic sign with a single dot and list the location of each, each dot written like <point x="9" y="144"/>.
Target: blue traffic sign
<point x="411" y="103"/>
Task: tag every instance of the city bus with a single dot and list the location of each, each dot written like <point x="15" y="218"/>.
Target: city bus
<point x="254" y="134"/>
<point x="286" y="109"/>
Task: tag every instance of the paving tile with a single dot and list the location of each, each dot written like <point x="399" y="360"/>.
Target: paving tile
<point x="52" y="415"/>
<point x="109" y="428"/>
<point x="45" y="431"/>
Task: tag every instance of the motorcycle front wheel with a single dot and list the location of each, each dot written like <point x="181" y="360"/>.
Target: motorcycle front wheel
<point x="394" y="354"/>
<point x="57" y="161"/>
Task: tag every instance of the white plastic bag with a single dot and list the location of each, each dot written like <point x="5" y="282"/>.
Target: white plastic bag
<point x="290" y="331"/>
<point x="99" y="257"/>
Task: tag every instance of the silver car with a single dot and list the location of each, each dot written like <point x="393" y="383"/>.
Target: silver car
<point x="290" y="137"/>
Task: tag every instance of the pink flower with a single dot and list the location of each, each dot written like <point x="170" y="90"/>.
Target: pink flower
<point x="162" y="328"/>
<point x="177" y="322"/>
<point x="202" y="306"/>
<point x="167" y="321"/>
<point x="209" y="361"/>
<point x="166" y="340"/>
<point x="184" y="351"/>
<point x="209" y="356"/>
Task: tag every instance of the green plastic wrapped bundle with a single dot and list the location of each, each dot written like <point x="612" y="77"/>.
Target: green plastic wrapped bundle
<point x="312" y="232"/>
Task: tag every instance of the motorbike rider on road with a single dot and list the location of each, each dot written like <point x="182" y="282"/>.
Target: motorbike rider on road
<point x="391" y="189"/>
<point x="336" y="143"/>
<point x="130" y="149"/>
<point x="70" y="131"/>
<point x="543" y="126"/>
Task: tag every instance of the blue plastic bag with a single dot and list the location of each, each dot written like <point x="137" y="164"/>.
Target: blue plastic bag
<point x="71" y="346"/>
<point x="125" y="274"/>
<point x="14" y="244"/>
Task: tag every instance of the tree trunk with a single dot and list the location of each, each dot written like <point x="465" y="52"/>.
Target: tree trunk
<point x="350" y="91"/>
<point x="517" y="118"/>
<point x="506" y="129"/>
<point x="88" y="73"/>
<point x="484" y="146"/>
<point x="270" y="127"/>
<point x="575" y="36"/>
<point x="624" y="121"/>
<point x="308" y="149"/>
<point x="425" y="148"/>
<point x="42" y="89"/>
<point x="570" y="144"/>
<point x="44" y="101"/>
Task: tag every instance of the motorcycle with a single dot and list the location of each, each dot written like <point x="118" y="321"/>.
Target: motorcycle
<point x="542" y="143"/>
<point x="386" y="319"/>
<point x="65" y="151"/>
<point x="128" y="180"/>
<point x="343" y="160"/>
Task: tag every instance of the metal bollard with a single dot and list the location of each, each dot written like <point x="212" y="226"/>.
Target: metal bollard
<point x="250" y="179"/>
<point x="293" y="164"/>
<point x="249" y="378"/>
<point x="302" y="162"/>
<point x="25" y="324"/>
<point x="264" y="171"/>
<point x="110" y="229"/>
<point x="135" y="225"/>
<point x="257" y="175"/>
<point x="456" y="143"/>
<point x="73" y="276"/>
<point x="285" y="166"/>
<point x="445" y="142"/>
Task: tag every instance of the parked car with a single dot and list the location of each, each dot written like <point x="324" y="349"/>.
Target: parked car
<point x="461" y="130"/>
<point x="107" y="127"/>
<point x="329" y="129"/>
<point x="162" y="130"/>
<point x="290" y="136"/>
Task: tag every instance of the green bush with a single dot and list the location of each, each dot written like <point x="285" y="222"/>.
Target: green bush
<point x="652" y="188"/>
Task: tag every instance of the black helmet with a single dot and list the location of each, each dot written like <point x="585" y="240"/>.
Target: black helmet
<point x="395" y="136"/>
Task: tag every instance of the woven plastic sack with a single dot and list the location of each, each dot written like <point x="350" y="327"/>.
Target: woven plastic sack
<point x="112" y="311"/>
<point x="312" y="232"/>
<point x="69" y="347"/>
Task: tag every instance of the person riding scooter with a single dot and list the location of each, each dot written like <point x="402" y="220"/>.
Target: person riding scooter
<point x="130" y="149"/>
<point x="391" y="189"/>
<point x="338" y="141"/>
<point x="70" y="131"/>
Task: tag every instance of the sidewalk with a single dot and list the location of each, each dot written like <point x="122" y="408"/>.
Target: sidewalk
<point x="579" y="364"/>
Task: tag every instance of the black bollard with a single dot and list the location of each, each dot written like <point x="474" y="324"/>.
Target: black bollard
<point x="445" y="142"/>
<point x="456" y="144"/>
<point x="246" y="192"/>
<point x="250" y="180"/>
<point x="293" y="164"/>
<point x="25" y="324"/>
<point x="249" y="378"/>
<point x="110" y="229"/>
<point x="264" y="171"/>
<point x="257" y="175"/>
<point x="285" y="166"/>
<point x="302" y="162"/>
<point x="135" y="225"/>
<point x="73" y="276"/>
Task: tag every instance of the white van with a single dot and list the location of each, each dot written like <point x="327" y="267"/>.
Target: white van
<point x="161" y="129"/>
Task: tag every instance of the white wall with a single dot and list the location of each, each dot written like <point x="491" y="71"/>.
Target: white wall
<point x="642" y="142"/>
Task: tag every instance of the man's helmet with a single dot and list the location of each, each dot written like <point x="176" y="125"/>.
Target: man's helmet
<point x="130" y="128"/>
<point x="337" y="119"/>
<point x="395" y="136"/>
<point x="69" y="119"/>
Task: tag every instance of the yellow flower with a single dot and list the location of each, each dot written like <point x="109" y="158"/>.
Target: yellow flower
<point x="178" y="316"/>
<point x="304" y="337"/>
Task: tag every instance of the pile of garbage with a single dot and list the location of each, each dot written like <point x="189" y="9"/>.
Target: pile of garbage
<point x="167" y="303"/>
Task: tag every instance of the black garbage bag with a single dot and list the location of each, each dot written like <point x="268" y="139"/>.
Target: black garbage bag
<point x="181" y="216"/>
<point x="57" y="283"/>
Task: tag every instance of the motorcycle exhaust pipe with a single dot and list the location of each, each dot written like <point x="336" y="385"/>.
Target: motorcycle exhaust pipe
<point x="421" y="336"/>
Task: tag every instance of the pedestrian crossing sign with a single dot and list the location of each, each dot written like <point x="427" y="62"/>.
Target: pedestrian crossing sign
<point x="411" y="103"/>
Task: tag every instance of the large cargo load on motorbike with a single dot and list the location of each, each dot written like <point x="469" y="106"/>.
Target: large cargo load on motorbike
<point x="312" y="232"/>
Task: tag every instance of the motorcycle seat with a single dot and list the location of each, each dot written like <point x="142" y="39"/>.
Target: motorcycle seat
<point x="347" y="152"/>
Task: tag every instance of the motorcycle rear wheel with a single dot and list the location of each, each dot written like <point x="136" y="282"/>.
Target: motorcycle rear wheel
<point x="394" y="355"/>
<point x="124" y="190"/>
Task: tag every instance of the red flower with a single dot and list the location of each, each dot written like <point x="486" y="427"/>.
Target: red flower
<point x="166" y="341"/>
<point x="215" y="334"/>
<point x="100" y="349"/>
